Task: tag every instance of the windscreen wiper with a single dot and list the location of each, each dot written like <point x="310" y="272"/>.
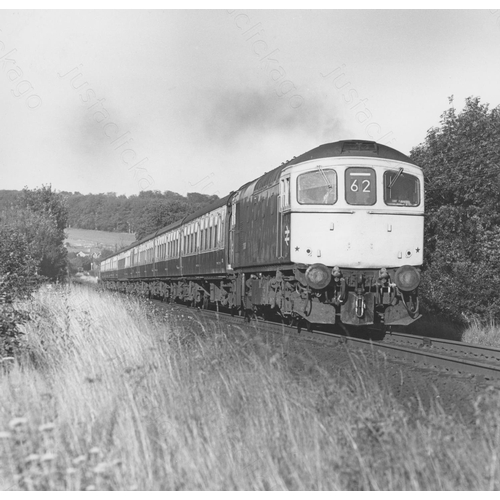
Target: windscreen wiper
<point x="398" y="175"/>
<point x="330" y="186"/>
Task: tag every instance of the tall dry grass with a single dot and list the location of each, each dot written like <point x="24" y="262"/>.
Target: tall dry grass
<point x="485" y="333"/>
<point x="110" y="396"/>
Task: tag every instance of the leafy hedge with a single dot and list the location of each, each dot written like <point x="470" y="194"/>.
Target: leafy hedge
<point x="18" y="279"/>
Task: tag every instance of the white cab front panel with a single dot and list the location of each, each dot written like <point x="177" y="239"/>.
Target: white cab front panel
<point x="358" y="240"/>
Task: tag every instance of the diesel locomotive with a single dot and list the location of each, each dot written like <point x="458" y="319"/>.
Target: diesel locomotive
<point x="332" y="236"/>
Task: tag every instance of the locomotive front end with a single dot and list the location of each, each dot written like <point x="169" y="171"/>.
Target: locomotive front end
<point x="355" y="234"/>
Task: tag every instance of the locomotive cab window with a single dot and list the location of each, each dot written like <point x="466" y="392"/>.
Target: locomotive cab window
<point x="360" y="188"/>
<point x="318" y="187"/>
<point x="401" y="189"/>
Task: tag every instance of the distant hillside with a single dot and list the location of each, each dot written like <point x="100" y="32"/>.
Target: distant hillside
<point x="86" y="239"/>
<point x="138" y="214"/>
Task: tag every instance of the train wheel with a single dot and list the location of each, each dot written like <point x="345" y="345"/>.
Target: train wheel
<point x="205" y="302"/>
<point x="344" y="329"/>
<point x="299" y="325"/>
<point x="249" y="315"/>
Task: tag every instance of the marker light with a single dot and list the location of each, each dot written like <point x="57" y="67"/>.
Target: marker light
<point x="318" y="276"/>
<point x="407" y="278"/>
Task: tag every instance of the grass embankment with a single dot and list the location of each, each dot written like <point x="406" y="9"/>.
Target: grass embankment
<point x="112" y="398"/>
<point x="484" y="333"/>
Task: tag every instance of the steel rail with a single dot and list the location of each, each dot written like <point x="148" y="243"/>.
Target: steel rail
<point x="473" y="350"/>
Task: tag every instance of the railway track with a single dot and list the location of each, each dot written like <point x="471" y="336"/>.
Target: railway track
<point x="432" y="352"/>
<point x="452" y="356"/>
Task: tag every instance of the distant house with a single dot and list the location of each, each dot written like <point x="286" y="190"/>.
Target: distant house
<point x="95" y="252"/>
<point x="81" y="254"/>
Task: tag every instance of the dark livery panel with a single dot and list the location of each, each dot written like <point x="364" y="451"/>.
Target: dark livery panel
<point x="335" y="234"/>
<point x="259" y="233"/>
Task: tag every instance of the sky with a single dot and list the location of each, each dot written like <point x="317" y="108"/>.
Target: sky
<point x="99" y="101"/>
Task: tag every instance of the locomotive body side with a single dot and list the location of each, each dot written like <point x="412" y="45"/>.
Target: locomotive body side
<point x="257" y="227"/>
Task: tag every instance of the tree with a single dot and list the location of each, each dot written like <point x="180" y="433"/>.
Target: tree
<point x="133" y="214"/>
<point x="161" y="211"/>
<point x="461" y="162"/>
<point x="160" y="214"/>
<point x="43" y="217"/>
<point x="45" y="201"/>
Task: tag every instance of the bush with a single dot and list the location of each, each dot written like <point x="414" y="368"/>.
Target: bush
<point x="461" y="162"/>
<point x="31" y="246"/>
<point x="18" y="279"/>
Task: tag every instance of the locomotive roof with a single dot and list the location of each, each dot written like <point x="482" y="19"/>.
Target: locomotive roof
<point x="352" y="147"/>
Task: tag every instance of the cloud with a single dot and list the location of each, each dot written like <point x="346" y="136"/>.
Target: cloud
<point x="237" y="113"/>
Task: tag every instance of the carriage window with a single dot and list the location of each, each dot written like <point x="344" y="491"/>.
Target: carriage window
<point x="360" y="186"/>
<point x="401" y="189"/>
<point x="317" y="188"/>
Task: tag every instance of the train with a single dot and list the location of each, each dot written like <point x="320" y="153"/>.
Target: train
<point x="333" y="236"/>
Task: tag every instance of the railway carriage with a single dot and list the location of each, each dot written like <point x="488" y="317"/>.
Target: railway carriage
<point x="335" y="234"/>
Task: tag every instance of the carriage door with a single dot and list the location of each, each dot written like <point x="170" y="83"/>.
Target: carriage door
<point x="231" y="232"/>
<point x="283" y="222"/>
